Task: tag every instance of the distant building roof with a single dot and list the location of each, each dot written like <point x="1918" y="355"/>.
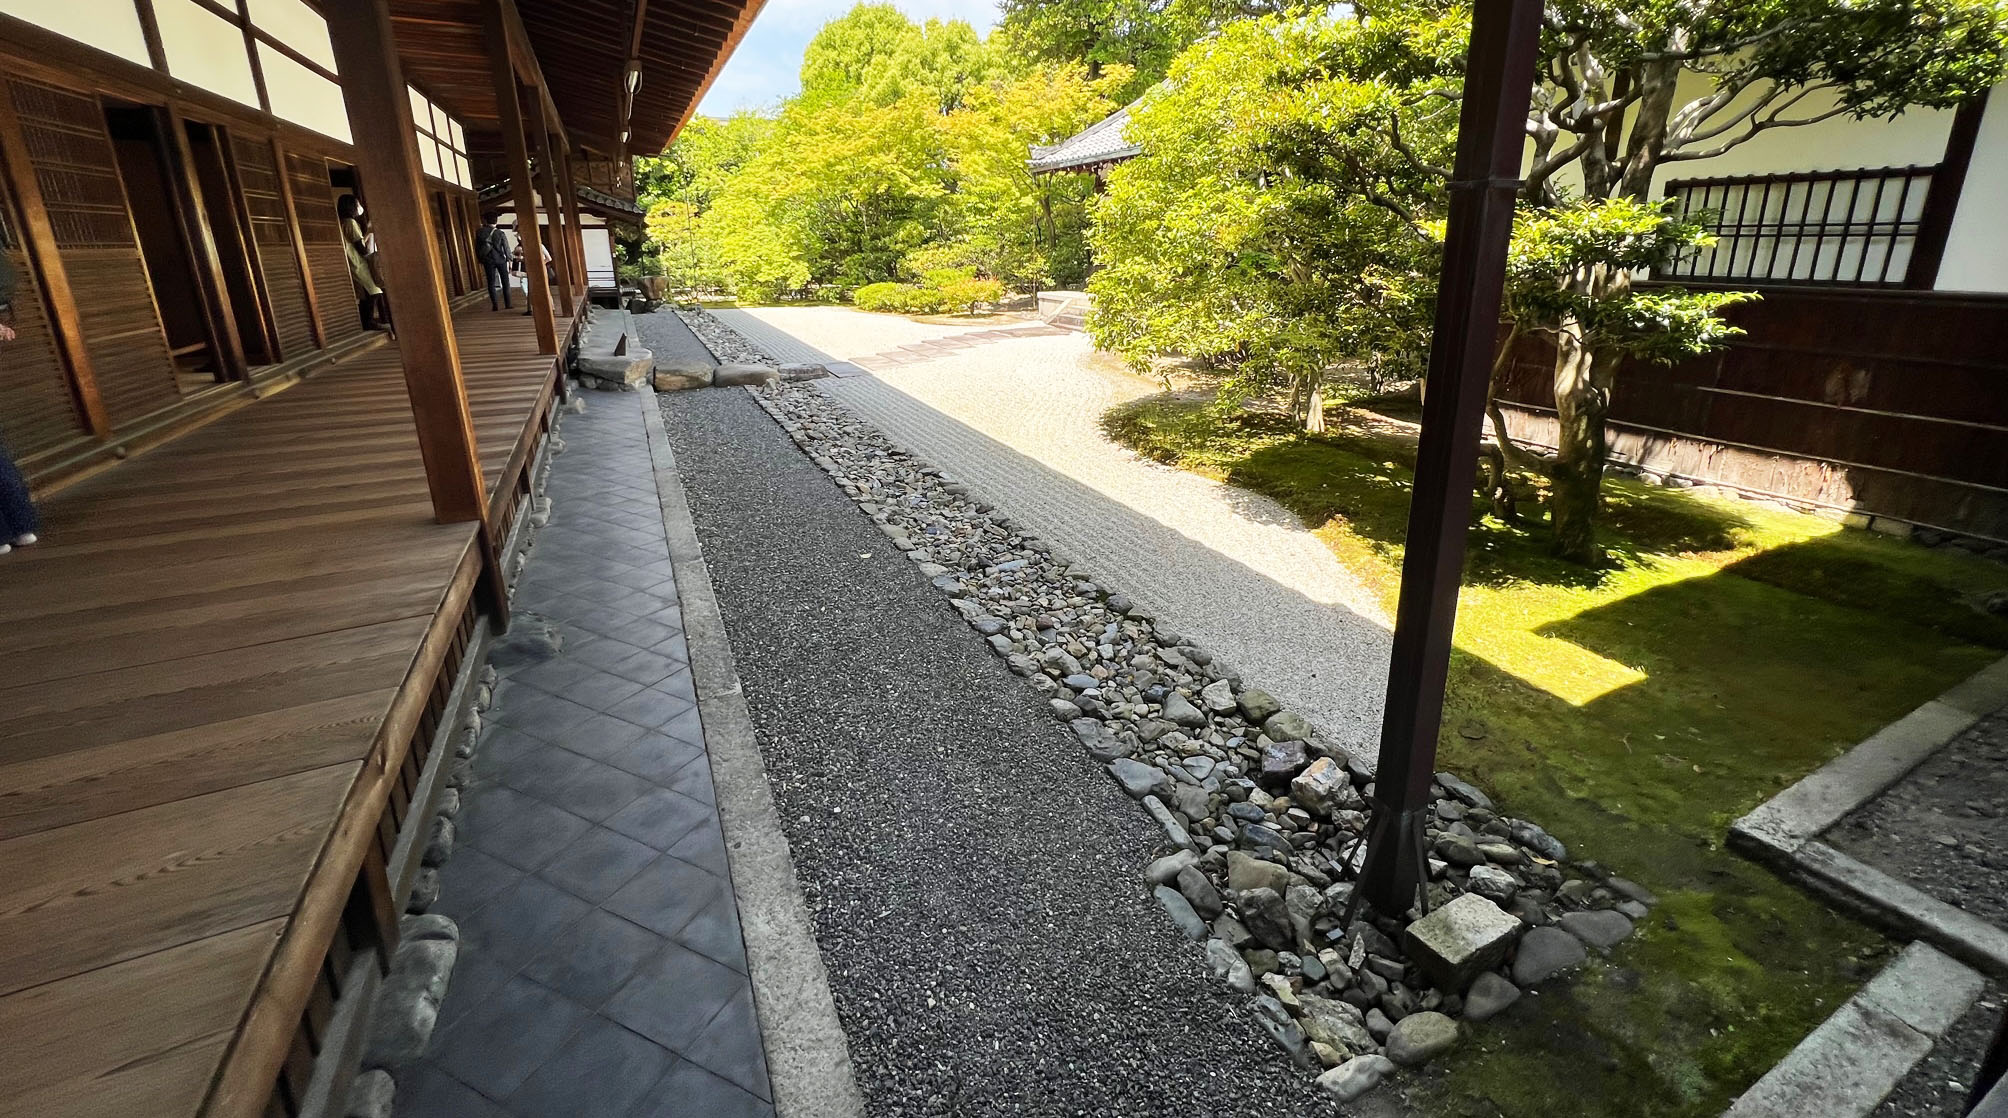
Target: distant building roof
<point x="610" y="206"/>
<point x="1097" y="147"/>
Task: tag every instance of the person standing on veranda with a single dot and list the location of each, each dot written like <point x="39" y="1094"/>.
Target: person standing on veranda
<point x="359" y="246"/>
<point x="494" y="248"/>
<point x="18" y="522"/>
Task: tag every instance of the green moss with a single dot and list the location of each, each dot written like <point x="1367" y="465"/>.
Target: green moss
<point x="1724" y="651"/>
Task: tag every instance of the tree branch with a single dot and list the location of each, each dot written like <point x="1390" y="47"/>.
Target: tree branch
<point x="1763" y="125"/>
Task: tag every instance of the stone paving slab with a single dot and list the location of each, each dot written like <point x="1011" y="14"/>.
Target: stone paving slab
<point x="672" y="341"/>
<point x="1019" y="422"/>
<point x="601" y="968"/>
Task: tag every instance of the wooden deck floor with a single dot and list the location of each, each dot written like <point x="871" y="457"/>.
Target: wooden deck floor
<point x="194" y="667"/>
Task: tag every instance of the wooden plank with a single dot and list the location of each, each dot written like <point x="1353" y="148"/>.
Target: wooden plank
<point x="282" y="169"/>
<point x="174" y="1012"/>
<point x="387" y="155"/>
<point x="107" y="890"/>
<point x="199" y="232"/>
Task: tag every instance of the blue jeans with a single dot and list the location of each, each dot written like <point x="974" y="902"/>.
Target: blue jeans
<point x="498" y="281"/>
<point x="17" y="511"/>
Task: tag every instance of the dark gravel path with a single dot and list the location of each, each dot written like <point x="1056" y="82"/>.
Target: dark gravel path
<point x="973" y="878"/>
<point x="1944" y="827"/>
<point x="1937" y="1087"/>
<point x="670" y="339"/>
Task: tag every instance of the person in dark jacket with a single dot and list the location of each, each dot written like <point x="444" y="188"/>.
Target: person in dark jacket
<point x="493" y="247"/>
<point x="18" y="522"/>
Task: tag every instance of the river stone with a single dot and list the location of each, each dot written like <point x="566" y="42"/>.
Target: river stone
<point x="1139" y="779"/>
<point x="1245" y="872"/>
<point x="1179" y="711"/>
<point x="1544" y="953"/>
<point x="1456" y="942"/>
<point x="1199" y="890"/>
<point x="1167" y="868"/>
<point x="1180" y="911"/>
<point x="1191" y="801"/>
<point x="745" y="375"/>
<point x="1489" y="997"/>
<point x="1601" y="930"/>
<point x="1257" y="705"/>
<point x="675" y="375"/>
<point x="1356" y="1076"/>
<point x="1325" y="787"/>
<point x="1536" y="840"/>
<point x="1228" y="966"/>
<point x="408" y="1006"/>
<point x="1096" y="739"/>
<point x="1336" y="1023"/>
<point x="1268" y="917"/>
<point x="1421" y="1037"/>
<point x="373" y="1094"/>
<point x="1275" y="1020"/>
<point x="1281" y="760"/>
<point x="1494" y="884"/>
<point x="1287" y="725"/>
<point x="1464" y="792"/>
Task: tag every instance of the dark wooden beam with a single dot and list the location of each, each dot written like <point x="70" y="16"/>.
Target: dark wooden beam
<point x="387" y="161"/>
<point x="577" y="240"/>
<point x="1498" y="83"/>
<point x="40" y="239"/>
<point x="547" y="189"/>
<point x="516" y="149"/>
<point x="149" y="28"/>
<point x="1941" y="201"/>
<point x="299" y="243"/>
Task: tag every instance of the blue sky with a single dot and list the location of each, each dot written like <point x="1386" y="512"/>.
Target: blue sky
<point x="765" y="67"/>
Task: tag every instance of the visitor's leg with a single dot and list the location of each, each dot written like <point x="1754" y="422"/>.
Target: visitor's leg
<point x="18" y="522"/>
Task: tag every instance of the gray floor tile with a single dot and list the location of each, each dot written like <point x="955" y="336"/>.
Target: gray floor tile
<point x="649" y="708"/>
<point x="543" y="715"/>
<point x="730" y="1045"/>
<point x="597" y="864"/>
<point x="674" y="996"/>
<point x="656" y="757"/>
<point x="496" y="1045"/>
<point x="703" y="847"/>
<point x="598" y="792"/>
<point x="694" y="780"/>
<point x="605" y="1071"/>
<point x="470" y="879"/>
<point x="660" y="817"/>
<point x="425" y="1091"/>
<point x="594" y="957"/>
<point x="537" y="772"/>
<point x="522" y="830"/>
<point x="666" y="895"/>
<point x="679" y="684"/>
<point x="473" y="982"/>
<point x="521" y="922"/>
<point x="689" y="1091"/>
<point x="714" y="932"/>
<point x="601" y="737"/>
<point x="599" y="690"/>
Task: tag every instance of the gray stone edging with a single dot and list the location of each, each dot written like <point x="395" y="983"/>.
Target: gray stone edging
<point x="1784" y="831"/>
<point x="808" y="1056"/>
<point x="1847" y="1066"/>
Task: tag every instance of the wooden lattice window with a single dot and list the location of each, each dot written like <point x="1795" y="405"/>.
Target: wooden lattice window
<point x="1821" y="228"/>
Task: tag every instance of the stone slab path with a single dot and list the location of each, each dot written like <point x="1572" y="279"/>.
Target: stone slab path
<point x="1017" y="419"/>
<point x="601" y="969"/>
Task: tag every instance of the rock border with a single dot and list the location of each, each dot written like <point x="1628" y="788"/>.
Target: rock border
<point x="1255" y="804"/>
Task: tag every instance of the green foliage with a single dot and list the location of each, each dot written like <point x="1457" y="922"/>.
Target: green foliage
<point x="905" y="153"/>
<point x="941" y="290"/>
<point x="1143" y="36"/>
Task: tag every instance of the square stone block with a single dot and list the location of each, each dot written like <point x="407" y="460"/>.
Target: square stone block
<point x="1462" y="940"/>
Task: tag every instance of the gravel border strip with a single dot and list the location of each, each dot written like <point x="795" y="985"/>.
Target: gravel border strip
<point x="808" y="1056"/>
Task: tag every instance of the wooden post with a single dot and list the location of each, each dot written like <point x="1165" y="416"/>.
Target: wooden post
<point x="247" y="242"/>
<point x="40" y="238"/>
<point x="578" y="229"/>
<point x="299" y="244"/>
<point x="547" y="189"/>
<point x="386" y="151"/>
<point x="515" y="147"/>
<point x="201" y="237"/>
<point x="1941" y="198"/>
<point x="1498" y="83"/>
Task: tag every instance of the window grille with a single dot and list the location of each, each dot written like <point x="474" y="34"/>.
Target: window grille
<point x="1829" y="228"/>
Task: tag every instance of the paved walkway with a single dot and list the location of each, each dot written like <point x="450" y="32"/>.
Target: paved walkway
<point x="601" y="969"/>
<point x="973" y="878"/>
<point x="1018" y="421"/>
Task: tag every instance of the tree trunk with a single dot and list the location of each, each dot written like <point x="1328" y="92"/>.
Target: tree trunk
<point x="1581" y="402"/>
<point x="1314" y="410"/>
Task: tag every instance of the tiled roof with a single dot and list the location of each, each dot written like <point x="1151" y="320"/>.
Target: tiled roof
<point x="1099" y="144"/>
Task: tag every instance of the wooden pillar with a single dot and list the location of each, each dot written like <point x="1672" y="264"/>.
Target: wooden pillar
<point x="40" y="239"/>
<point x="386" y="151"/>
<point x="1941" y="199"/>
<point x="186" y="182"/>
<point x="299" y="243"/>
<point x="578" y="229"/>
<point x="1498" y="82"/>
<point x="515" y="148"/>
<point x="547" y="189"/>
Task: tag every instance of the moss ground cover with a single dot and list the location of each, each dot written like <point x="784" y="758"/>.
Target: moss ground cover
<point x="1725" y="650"/>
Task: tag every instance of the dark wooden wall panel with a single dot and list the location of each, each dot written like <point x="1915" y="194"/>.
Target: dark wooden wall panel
<point x="314" y="198"/>
<point x="38" y="409"/>
<point x="74" y="164"/>
<point x="260" y="179"/>
<point x="1904" y="394"/>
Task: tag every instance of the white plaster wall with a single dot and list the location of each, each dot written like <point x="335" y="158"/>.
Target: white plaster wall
<point x="1976" y="254"/>
<point x="108" y="25"/>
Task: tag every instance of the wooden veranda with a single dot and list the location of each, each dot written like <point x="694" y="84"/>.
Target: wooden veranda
<point x="224" y="675"/>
